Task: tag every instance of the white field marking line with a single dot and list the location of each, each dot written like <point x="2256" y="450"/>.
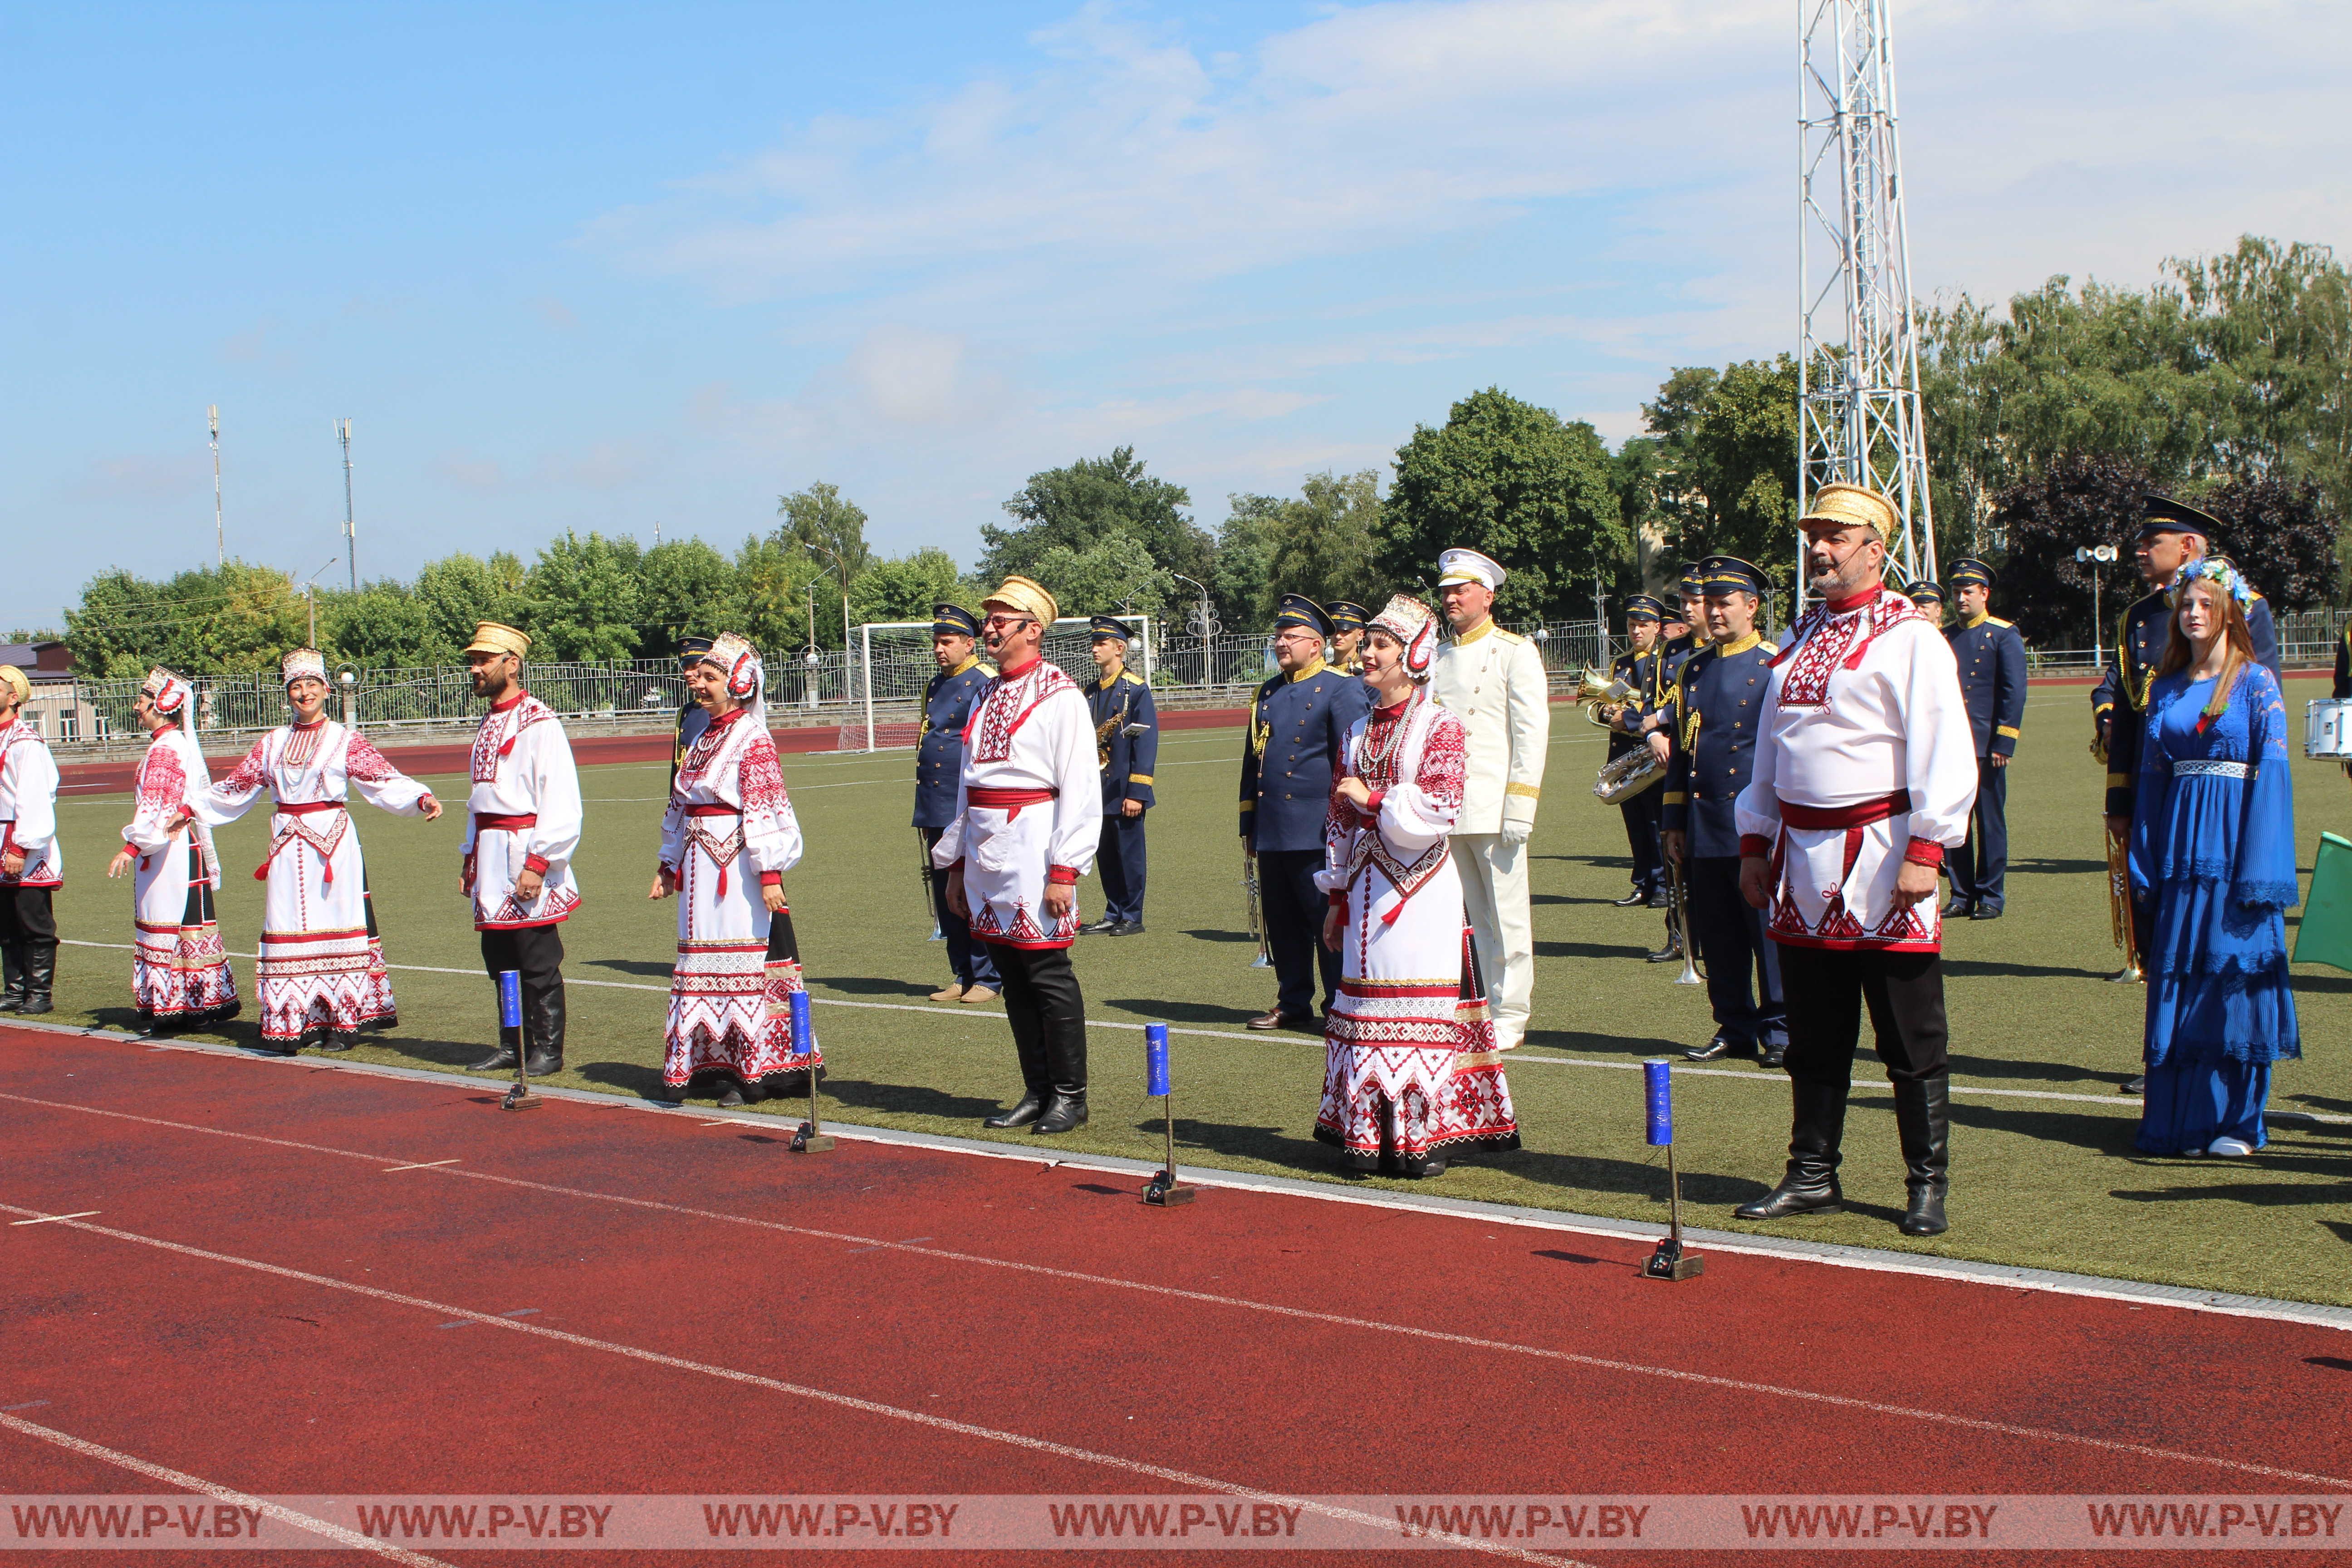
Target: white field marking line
<point x="1287" y="1037"/>
<point x="351" y="1539"/>
<point x="793" y="1390"/>
<point x="54" y="1218"/>
<point x="428" y="1166"/>
<point x="1173" y="1292"/>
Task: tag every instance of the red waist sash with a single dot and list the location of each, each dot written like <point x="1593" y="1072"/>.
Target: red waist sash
<point x="1862" y="814"/>
<point x="515" y="824"/>
<point x="306" y="808"/>
<point x="1009" y="801"/>
<point x="706" y="811"/>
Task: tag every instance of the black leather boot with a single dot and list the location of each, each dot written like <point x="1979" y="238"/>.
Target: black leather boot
<point x="503" y="1059"/>
<point x="12" y="978"/>
<point x="1065" y="1061"/>
<point x="1922" y="1117"/>
<point x="542" y="1018"/>
<point x="40" y="975"/>
<point x="1034" y="1089"/>
<point x="1818" y="1127"/>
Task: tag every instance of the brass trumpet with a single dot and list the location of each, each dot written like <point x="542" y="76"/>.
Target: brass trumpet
<point x="2119" y="911"/>
<point x="1597" y="688"/>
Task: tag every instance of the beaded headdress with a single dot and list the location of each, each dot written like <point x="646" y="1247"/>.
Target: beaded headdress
<point x="167" y="691"/>
<point x="1408" y="620"/>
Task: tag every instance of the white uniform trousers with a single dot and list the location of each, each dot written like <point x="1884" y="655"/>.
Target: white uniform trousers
<point x="1494" y="897"/>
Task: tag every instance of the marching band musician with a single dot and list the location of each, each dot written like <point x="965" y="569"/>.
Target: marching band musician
<point x="1719" y="696"/>
<point x="692" y="717"/>
<point x="1930" y="597"/>
<point x="1298" y="722"/>
<point x="1494" y="681"/>
<point x="1862" y="778"/>
<point x="1685" y="631"/>
<point x="180" y="977"/>
<point x="1991" y="657"/>
<point x="947" y="703"/>
<point x="1642" y="666"/>
<point x="1121" y="700"/>
<point x="2171" y="534"/>
<point x="31" y="869"/>
<point x="1349" y="620"/>
<point x="322" y="976"/>
<point x="1027" y="821"/>
<point x="522" y="829"/>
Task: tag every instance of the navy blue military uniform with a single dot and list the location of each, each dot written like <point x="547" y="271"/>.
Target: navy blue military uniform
<point x="1349" y="619"/>
<point x="1118" y="702"/>
<point x="1720" y="703"/>
<point x="1991" y="657"/>
<point x="2119" y="701"/>
<point x="1298" y="722"/>
<point x="692" y="717"/>
<point x="1645" y="673"/>
<point x="947" y="702"/>
<point x="1675" y="653"/>
<point x="1930" y="597"/>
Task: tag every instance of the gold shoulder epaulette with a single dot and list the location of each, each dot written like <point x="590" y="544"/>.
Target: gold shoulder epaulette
<point x="1130" y="676"/>
<point x="1508" y="636"/>
<point x="1997" y="621"/>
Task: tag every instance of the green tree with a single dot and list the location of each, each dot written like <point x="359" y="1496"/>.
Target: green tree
<point x="1078" y="507"/>
<point x="905" y="588"/>
<point x="1114" y="576"/>
<point x="459" y="591"/>
<point x="819" y="518"/>
<point x="777" y="583"/>
<point x="233" y="618"/>
<point x="1324" y="545"/>
<point x="384" y="625"/>
<point x="1241" y="584"/>
<point x="687" y="588"/>
<point x="585" y="599"/>
<point x="1517" y="483"/>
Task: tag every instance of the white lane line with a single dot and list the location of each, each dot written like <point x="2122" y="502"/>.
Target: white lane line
<point x="775" y="1386"/>
<point x="1239" y="1303"/>
<point x="1293" y="1038"/>
<point x="54" y="1218"/>
<point x="426" y="1165"/>
<point x="351" y="1539"/>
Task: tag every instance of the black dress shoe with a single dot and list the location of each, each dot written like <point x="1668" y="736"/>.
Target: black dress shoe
<point x="1770" y="1053"/>
<point x="1717" y="1048"/>
<point x="1273" y="1020"/>
<point x="1923" y="1215"/>
<point x="1127" y="927"/>
<point x="500" y="1060"/>
<point x="1061" y="1113"/>
<point x="1791" y="1198"/>
<point x="1027" y="1109"/>
<point x="1982" y="912"/>
<point x="1670" y="954"/>
<point x="730" y="1095"/>
<point x="2135" y="1087"/>
<point x="1632" y="900"/>
<point x="1661" y="899"/>
<point x="1957" y="909"/>
<point x="1102" y="926"/>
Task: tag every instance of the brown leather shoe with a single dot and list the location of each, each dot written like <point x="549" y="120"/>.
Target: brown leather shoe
<point x="950" y="993"/>
<point x="978" y="994"/>
<point x="1273" y="1020"/>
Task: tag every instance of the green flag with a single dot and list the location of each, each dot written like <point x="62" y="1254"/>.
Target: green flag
<point x="2325" y="934"/>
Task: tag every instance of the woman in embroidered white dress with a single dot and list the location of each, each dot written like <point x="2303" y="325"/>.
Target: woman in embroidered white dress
<point x="180" y="977"/>
<point x="1411" y="1072"/>
<point x="728" y="839"/>
<point x="321" y="977"/>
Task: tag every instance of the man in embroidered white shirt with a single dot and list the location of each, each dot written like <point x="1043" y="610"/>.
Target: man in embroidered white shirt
<point x="1864" y="773"/>
<point x="1027" y="824"/>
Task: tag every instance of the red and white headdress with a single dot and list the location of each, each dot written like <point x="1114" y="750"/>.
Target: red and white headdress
<point x="1408" y="620"/>
<point x="167" y="691"/>
<point x="303" y="661"/>
<point x="733" y="654"/>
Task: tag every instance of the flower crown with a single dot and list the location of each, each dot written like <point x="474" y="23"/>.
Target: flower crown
<point x="2219" y="571"/>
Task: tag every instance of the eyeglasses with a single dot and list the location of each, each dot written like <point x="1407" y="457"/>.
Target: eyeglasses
<point x="1000" y="622"/>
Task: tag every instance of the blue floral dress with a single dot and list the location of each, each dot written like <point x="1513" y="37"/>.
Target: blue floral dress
<point x="2213" y="844"/>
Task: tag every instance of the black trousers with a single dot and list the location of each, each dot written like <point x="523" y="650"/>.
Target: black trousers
<point x="1641" y="814"/>
<point x="1048" y="1014"/>
<point x="1119" y="857"/>
<point x="1981" y="867"/>
<point x="27" y="917"/>
<point x="1743" y="964"/>
<point x="534" y="952"/>
<point x="1827" y="990"/>
<point x="1293" y="908"/>
<point x="969" y="959"/>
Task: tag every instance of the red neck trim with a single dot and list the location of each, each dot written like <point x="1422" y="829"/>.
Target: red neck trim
<point x="157" y="731"/>
<point x="1839" y="606"/>
<point x="1011" y="673"/>
<point x="316" y="723"/>
<point x="11" y="720"/>
<point x="510" y="703"/>
<point x="721" y="721"/>
<point x="1392" y="712"/>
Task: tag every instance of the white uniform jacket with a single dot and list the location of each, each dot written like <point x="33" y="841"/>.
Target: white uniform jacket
<point x="1866" y="759"/>
<point x="522" y="814"/>
<point x="28" y="806"/>
<point x="1029" y="807"/>
<point x="1494" y="681"/>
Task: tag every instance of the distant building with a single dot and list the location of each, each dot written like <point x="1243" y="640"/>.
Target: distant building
<point x="53" y="710"/>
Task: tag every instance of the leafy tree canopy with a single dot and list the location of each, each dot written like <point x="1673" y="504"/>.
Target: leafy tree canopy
<point x="1078" y="508"/>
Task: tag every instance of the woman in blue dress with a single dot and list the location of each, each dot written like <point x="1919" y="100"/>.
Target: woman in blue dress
<point x="2214" y="847"/>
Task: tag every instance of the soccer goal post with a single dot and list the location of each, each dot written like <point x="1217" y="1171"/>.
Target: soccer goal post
<point x="895" y="665"/>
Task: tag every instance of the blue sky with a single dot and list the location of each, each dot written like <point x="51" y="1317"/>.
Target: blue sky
<point x="605" y="267"/>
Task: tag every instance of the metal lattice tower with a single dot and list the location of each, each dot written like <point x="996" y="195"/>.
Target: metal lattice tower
<point x="1858" y="341"/>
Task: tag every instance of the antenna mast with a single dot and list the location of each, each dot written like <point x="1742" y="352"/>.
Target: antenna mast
<point x="220" y="539"/>
<point x="1858" y="343"/>
<point x="351" y="527"/>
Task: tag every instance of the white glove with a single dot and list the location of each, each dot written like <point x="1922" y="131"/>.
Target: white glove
<point x="1516" y="833"/>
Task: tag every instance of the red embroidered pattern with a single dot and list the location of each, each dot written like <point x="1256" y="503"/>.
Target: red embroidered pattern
<point x="500" y="732"/>
<point x="1445" y="760"/>
<point x="1831" y="641"/>
<point x="1008" y="705"/>
<point x="362" y="761"/>
<point x="163" y="778"/>
<point x="760" y="780"/>
<point x="251" y="774"/>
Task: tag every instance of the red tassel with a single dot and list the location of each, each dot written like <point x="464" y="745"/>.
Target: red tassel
<point x="1390" y="919"/>
<point x="511" y="740"/>
<point x="262" y="872"/>
<point x="722" y="882"/>
<point x="326" y="875"/>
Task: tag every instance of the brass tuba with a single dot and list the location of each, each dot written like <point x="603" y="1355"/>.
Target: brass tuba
<point x="1596" y="687"/>
<point x="1628" y="775"/>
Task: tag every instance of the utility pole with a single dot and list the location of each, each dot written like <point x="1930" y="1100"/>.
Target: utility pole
<point x="1858" y="411"/>
<point x="350" y="524"/>
<point x="220" y="539"/>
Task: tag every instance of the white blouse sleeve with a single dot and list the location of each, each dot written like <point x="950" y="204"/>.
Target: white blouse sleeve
<point x="233" y="796"/>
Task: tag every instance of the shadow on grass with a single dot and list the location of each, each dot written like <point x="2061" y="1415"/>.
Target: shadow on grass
<point x="1154" y="1009"/>
<point x="2051" y="1072"/>
<point x="873" y="985"/>
<point x="2039" y="866"/>
<point x="1633" y="1045"/>
<point x="1968" y="966"/>
<point x="643" y="966"/>
<point x="1221" y="936"/>
<point x="2104" y="1134"/>
<point x="1637" y="951"/>
<point x="919" y="1099"/>
<point x="644" y="1082"/>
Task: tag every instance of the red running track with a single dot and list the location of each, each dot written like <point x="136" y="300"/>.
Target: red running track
<point x="672" y="1275"/>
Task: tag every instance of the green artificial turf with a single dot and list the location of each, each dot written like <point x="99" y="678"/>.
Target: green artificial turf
<point x="2050" y="1183"/>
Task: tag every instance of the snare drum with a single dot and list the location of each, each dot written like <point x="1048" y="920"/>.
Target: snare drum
<point x="2328" y="729"/>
